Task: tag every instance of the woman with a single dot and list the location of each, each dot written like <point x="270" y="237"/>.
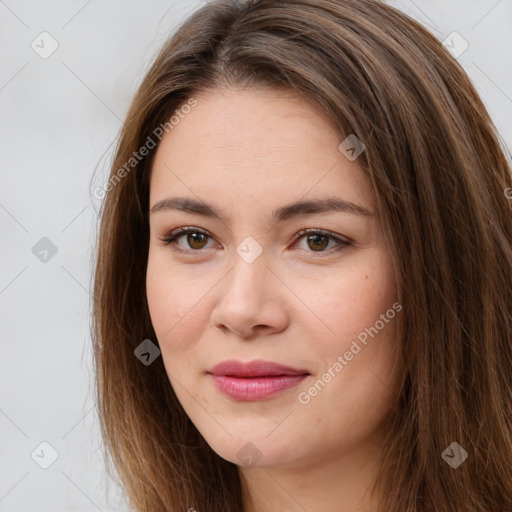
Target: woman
<point x="303" y="287"/>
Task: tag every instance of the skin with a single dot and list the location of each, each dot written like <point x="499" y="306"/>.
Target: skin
<point x="248" y="152"/>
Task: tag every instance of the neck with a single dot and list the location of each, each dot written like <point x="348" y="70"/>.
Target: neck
<point x="338" y="483"/>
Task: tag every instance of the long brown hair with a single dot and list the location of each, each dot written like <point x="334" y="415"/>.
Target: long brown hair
<point x="441" y="175"/>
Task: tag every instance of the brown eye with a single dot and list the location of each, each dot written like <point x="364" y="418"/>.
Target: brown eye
<point x="317" y="242"/>
<point x="196" y="240"/>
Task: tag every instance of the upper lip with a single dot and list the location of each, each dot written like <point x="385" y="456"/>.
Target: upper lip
<point x="257" y="368"/>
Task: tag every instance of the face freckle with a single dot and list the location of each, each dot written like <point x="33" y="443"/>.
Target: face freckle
<point x="249" y="154"/>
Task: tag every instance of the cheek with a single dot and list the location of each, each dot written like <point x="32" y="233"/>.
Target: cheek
<point x="366" y="323"/>
<point x="358" y="389"/>
<point x="164" y="304"/>
<point x="355" y="300"/>
<point x="177" y="303"/>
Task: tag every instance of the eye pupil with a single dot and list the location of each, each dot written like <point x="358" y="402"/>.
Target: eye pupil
<point x="316" y="238"/>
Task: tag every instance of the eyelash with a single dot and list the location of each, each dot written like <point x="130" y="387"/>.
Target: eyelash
<point x="171" y="237"/>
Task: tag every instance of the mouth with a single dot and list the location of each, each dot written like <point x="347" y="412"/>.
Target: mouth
<point x="255" y="380"/>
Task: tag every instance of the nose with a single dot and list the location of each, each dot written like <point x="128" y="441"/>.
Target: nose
<point x="251" y="300"/>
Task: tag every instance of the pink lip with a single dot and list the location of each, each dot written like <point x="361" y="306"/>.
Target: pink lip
<point x="255" y="380"/>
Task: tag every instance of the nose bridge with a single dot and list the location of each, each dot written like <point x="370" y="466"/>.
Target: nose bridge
<point x="249" y="273"/>
<point x="241" y="303"/>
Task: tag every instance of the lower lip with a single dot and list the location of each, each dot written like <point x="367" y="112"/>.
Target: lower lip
<point x="255" y="388"/>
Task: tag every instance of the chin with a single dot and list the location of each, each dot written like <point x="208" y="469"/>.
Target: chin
<point x="263" y="451"/>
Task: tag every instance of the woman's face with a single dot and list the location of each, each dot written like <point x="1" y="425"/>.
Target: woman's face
<point x="248" y="286"/>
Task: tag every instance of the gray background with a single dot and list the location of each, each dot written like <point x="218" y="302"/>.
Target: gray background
<point x="59" y="117"/>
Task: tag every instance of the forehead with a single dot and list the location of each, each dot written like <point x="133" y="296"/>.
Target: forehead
<point x="255" y="145"/>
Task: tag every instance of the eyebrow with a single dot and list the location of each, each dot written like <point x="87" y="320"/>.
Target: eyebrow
<point x="296" y="209"/>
